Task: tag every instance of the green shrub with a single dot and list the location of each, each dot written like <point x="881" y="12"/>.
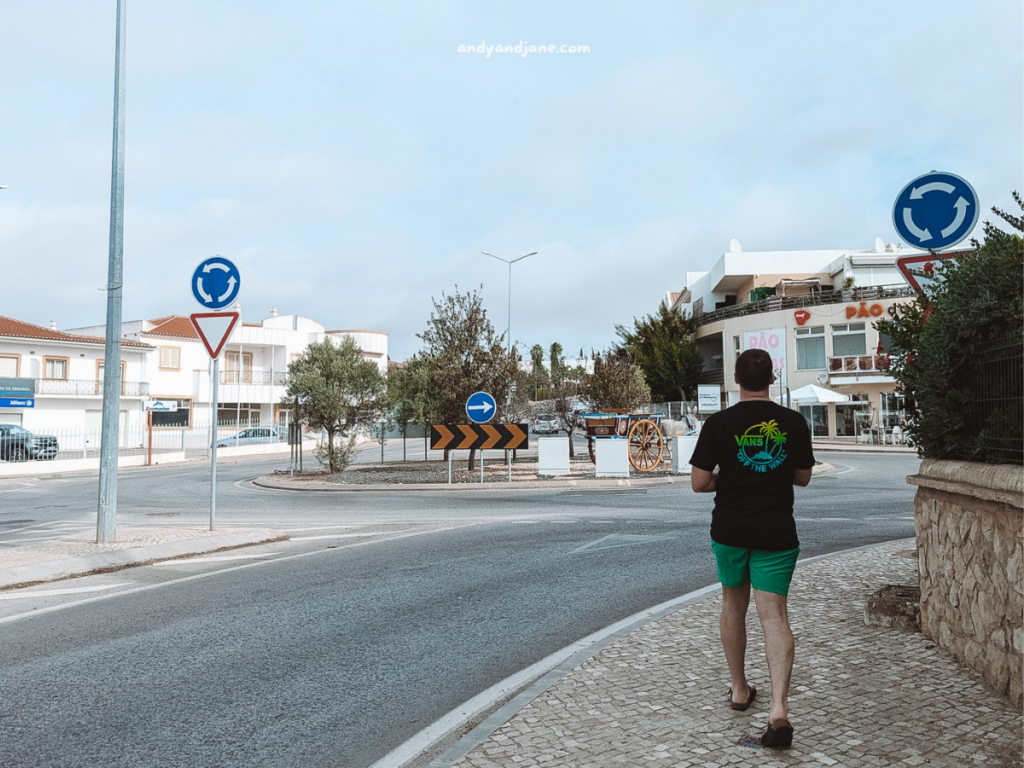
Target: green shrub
<point x="959" y="366"/>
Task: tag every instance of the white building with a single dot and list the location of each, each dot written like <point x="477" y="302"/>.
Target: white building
<point x="162" y="359"/>
<point x="794" y="305"/>
<point x="66" y="372"/>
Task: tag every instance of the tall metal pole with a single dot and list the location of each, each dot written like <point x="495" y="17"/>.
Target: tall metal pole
<point x="213" y="466"/>
<point x="509" y="328"/>
<point x="106" y="516"/>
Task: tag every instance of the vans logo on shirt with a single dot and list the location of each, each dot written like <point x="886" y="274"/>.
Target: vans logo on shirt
<point x="761" y="446"/>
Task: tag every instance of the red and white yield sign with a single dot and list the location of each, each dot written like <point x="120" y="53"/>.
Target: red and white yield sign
<point x="214" y="328"/>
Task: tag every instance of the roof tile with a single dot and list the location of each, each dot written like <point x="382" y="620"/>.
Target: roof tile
<point x="20" y="329"/>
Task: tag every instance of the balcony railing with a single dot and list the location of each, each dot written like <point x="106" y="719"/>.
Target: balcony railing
<point x="714" y="376"/>
<point x="774" y="303"/>
<point x="854" y="364"/>
<point x="263" y="378"/>
<point x="87" y="387"/>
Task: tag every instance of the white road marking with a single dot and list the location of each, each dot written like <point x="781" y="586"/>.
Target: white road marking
<point x="345" y="535"/>
<point x="623" y="540"/>
<point x="55" y="592"/>
<point x="823" y="519"/>
<point x="41" y="525"/>
<point x="219" y="572"/>
<point x="217" y="559"/>
<point x="317" y="528"/>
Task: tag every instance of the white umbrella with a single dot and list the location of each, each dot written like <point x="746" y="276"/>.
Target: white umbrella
<point x="810" y="393"/>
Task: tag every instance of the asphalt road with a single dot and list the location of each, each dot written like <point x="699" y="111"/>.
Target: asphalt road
<point x="333" y="650"/>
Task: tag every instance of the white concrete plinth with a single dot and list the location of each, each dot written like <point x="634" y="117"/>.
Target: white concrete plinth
<point x="612" y="457"/>
<point x="553" y="453"/>
<point x="682" y="450"/>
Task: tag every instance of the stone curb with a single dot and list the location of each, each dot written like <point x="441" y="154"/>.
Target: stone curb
<point x="267" y="481"/>
<point x="562" y="485"/>
<point x="113" y="560"/>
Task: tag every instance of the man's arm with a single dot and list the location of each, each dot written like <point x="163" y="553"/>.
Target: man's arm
<point x="703" y="481"/>
<point x="801" y="477"/>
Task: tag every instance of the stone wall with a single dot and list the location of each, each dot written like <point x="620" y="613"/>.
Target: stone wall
<point x="969" y="520"/>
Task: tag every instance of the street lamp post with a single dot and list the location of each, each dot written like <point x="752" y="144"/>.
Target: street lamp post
<point x="508" y="330"/>
<point x="106" y="516"/>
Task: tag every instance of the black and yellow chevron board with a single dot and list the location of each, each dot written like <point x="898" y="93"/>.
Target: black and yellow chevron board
<point x="463" y="437"/>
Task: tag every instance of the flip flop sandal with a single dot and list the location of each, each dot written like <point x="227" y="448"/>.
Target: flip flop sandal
<point x="778" y="735"/>
<point x="745" y="706"/>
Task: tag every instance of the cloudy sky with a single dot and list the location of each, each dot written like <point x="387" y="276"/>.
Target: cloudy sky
<point x="354" y="163"/>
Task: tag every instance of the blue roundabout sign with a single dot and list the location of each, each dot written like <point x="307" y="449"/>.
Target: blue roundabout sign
<point x="216" y="282"/>
<point x="935" y="211"/>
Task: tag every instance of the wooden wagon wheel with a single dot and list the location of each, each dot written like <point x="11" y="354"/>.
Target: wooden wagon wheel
<point x="645" y="445"/>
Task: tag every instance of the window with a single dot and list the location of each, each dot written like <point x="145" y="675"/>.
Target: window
<point x="244" y="414"/>
<point x="810" y="348"/>
<point x="735" y="347"/>
<point x="180" y="418"/>
<point x="235" y="374"/>
<point x="893" y="414"/>
<point x="849" y="339"/>
<point x="853" y="417"/>
<point x="170" y="358"/>
<point x="55" y="368"/>
<point x="9" y="365"/>
<point x="100" y="367"/>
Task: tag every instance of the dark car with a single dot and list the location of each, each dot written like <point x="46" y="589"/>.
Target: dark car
<point x="18" y="444"/>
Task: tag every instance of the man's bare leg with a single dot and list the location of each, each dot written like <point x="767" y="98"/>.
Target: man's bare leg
<point x="778" y="640"/>
<point x="733" y="628"/>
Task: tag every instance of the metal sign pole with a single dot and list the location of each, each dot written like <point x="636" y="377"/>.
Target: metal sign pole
<point x="481" y="465"/>
<point x="213" y="461"/>
<point x="450" y="467"/>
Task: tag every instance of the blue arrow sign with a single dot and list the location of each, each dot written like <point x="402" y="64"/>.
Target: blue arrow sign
<point x="935" y="211"/>
<point x="216" y="282"/>
<point x="480" y="407"/>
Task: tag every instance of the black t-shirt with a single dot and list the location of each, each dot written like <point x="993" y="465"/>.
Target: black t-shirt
<point x="757" y="446"/>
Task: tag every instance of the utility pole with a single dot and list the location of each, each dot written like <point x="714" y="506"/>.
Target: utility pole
<point x="106" y="517"/>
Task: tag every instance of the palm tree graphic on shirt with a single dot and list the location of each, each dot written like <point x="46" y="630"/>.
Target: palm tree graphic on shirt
<point x="761" y="445"/>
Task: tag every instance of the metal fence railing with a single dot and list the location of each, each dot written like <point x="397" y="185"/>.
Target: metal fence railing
<point x="194" y="442"/>
<point x="993" y="426"/>
<point x="87" y="387"/>
<point x="774" y="303"/>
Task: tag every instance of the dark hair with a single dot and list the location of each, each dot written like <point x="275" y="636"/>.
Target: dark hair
<point x="754" y="370"/>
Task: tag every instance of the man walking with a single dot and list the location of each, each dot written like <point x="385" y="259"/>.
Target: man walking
<point x="761" y="450"/>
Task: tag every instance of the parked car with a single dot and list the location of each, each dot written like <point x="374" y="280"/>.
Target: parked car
<point x="255" y="436"/>
<point x="546" y="423"/>
<point x="18" y="444"/>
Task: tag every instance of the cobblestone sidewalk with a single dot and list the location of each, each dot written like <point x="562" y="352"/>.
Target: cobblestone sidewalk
<point x="861" y="695"/>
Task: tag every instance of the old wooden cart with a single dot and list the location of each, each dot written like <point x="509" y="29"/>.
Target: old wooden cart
<point x="642" y="430"/>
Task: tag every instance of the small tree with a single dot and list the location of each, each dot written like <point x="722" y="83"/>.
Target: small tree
<point x="564" y="396"/>
<point x="466" y="356"/>
<point x="662" y="345"/>
<point x="617" y="382"/>
<point x="334" y="389"/>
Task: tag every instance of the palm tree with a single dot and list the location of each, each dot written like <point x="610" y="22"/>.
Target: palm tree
<point x="537" y="356"/>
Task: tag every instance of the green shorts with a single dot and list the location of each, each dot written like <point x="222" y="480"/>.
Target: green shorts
<point x="766" y="571"/>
